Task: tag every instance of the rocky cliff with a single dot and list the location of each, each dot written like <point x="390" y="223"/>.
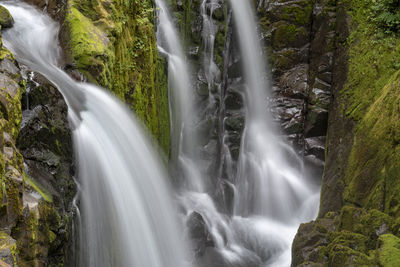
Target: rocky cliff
<point x="336" y="58"/>
<point x="335" y="75"/>
<point x="358" y="221"/>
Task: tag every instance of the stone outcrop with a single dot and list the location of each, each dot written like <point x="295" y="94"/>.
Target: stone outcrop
<point x="358" y="219"/>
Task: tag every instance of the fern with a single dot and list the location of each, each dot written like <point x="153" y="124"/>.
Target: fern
<point x="386" y="14"/>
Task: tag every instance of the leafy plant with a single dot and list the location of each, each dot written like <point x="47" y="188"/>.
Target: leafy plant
<point x="386" y="13"/>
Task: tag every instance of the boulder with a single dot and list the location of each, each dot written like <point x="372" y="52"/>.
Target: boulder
<point x="6" y="20"/>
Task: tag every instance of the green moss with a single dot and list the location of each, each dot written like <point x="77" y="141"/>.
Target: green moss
<point x="373" y="166"/>
<point x="6" y="19"/>
<point x="88" y="44"/>
<point x="43" y="192"/>
<point x="389" y="251"/>
<point x="370" y="98"/>
<point x="114" y="45"/>
<point x="299" y="14"/>
<point x="288" y="35"/>
<point x="374" y="58"/>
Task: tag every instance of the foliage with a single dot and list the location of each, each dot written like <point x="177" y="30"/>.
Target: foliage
<point x="386" y="13"/>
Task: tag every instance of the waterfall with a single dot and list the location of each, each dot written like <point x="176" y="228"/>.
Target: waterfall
<point x="265" y="174"/>
<point x="128" y="216"/>
<point x="272" y="197"/>
<point x="270" y="180"/>
<point x="181" y="102"/>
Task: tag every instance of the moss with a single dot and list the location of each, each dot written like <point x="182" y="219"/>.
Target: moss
<point x="369" y="69"/>
<point x="373" y="166"/>
<point x="389" y="251"/>
<point x="370" y="98"/>
<point x="43" y="192"/>
<point x="284" y="59"/>
<point x="88" y="44"/>
<point x="288" y="35"/>
<point x="114" y="45"/>
<point x="6" y="19"/>
<point x="299" y="14"/>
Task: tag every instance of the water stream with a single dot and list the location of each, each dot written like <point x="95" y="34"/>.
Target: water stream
<point x="128" y="216"/>
<point x="272" y="196"/>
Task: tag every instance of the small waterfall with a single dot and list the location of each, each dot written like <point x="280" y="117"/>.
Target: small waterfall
<point x="181" y="101"/>
<point x="270" y="180"/>
<point x="128" y="216"/>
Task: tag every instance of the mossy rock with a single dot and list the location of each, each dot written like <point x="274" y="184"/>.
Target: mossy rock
<point x="286" y="35"/>
<point x="389" y="251"/>
<point x="6" y="20"/>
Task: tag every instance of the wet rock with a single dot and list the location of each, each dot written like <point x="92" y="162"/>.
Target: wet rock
<point x="6" y="20"/>
<point x="317" y="122"/>
<point x="315" y="146"/>
<point x="234" y="123"/>
<point x="45" y="139"/>
<point x="235" y="70"/>
<point x="294" y="83"/>
<point x="198" y="232"/>
<point x="9" y="66"/>
<point x="234" y="100"/>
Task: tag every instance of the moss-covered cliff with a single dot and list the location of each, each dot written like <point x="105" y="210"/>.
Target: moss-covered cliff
<point x="358" y="222"/>
<point x="113" y="44"/>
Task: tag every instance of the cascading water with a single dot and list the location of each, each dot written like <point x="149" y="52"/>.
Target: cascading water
<point x="128" y="216"/>
<point x="181" y="99"/>
<point x="271" y="197"/>
<point x="269" y="185"/>
<point x="265" y="175"/>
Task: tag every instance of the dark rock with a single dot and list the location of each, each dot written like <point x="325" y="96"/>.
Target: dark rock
<point x="294" y="83"/>
<point x="198" y="232"/>
<point x="234" y="100"/>
<point x="317" y="122"/>
<point x="45" y="139"/>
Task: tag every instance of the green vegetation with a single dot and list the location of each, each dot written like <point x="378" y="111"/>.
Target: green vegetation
<point x="386" y="14"/>
<point x="114" y="45"/>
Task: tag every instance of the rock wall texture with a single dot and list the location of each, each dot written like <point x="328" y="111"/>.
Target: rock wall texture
<point x="336" y="58"/>
<point x="35" y="169"/>
<point x="358" y="222"/>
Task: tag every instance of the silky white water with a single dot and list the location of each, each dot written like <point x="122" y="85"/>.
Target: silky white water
<point x="270" y="181"/>
<point x="271" y="195"/>
<point x="128" y="217"/>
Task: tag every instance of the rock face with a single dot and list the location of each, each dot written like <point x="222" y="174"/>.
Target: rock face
<point x="34" y="221"/>
<point x="299" y="39"/>
<point x="112" y="44"/>
<point x="358" y="221"/>
<point x="336" y="58"/>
